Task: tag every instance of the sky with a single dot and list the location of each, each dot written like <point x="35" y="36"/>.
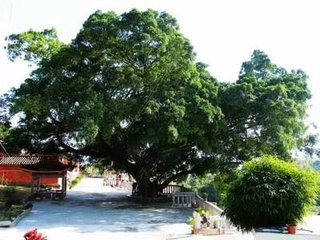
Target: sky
<point x="224" y="33"/>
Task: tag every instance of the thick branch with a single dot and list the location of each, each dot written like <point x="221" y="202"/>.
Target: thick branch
<point x="170" y="179"/>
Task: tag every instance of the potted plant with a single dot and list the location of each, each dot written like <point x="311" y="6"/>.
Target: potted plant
<point x="197" y="224"/>
<point x="269" y="192"/>
<point x="191" y="222"/>
<point x="292" y="228"/>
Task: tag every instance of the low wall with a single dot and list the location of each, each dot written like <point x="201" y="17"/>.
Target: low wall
<point x="208" y="206"/>
<point x="215" y="211"/>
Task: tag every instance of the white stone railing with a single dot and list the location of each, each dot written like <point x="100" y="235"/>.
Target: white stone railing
<point x="183" y="199"/>
<point x="215" y="211"/>
<point x="191" y="199"/>
<point x="170" y="189"/>
<point x="208" y="206"/>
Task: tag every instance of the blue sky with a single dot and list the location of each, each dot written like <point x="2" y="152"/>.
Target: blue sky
<point x="223" y="33"/>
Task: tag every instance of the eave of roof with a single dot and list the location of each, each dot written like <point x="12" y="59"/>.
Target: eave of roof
<point x="20" y="160"/>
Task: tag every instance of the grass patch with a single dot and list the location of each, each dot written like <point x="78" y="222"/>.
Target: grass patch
<point x="12" y="201"/>
<point x="11" y="213"/>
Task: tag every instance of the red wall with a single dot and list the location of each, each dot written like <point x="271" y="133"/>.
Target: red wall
<point x="14" y="174"/>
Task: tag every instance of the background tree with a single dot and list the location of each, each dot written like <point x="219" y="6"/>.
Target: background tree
<point x="264" y="113"/>
<point x="128" y="93"/>
<point x="4" y="118"/>
<point x="264" y="110"/>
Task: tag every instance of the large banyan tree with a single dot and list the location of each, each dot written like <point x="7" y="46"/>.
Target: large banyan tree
<point x="127" y="92"/>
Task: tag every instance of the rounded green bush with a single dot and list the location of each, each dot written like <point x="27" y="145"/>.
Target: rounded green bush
<point x="269" y="192"/>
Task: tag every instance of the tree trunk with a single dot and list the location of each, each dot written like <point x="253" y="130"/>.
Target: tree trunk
<point x="147" y="189"/>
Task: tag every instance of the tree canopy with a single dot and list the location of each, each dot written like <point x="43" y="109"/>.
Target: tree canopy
<point x="127" y="91"/>
<point x="4" y="118"/>
<point x="265" y="109"/>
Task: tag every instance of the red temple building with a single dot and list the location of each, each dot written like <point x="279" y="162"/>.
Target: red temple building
<point x="39" y="171"/>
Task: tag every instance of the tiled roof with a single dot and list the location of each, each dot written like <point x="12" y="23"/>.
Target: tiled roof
<point x="20" y="160"/>
<point x="39" y="162"/>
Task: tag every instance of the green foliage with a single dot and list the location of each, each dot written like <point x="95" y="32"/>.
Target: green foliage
<point x="33" y="46"/>
<point x="10" y="213"/>
<point x="91" y="170"/>
<point x="75" y="181"/>
<point x="214" y="185"/>
<point x="222" y="183"/>
<point x="270" y="192"/>
<point x="196" y="183"/>
<point x="11" y="195"/>
<point x="4" y="131"/>
<point x="204" y="195"/>
<point x="4" y="118"/>
<point x="264" y="109"/>
<point x="191" y="221"/>
<point x="4" y="108"/>
<point x="202" y="212"/>
<point x="127" y="92"/>
<point x="12" y="201"/>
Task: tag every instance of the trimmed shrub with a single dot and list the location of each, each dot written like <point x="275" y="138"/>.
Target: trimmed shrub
<point x="269" y="192"/>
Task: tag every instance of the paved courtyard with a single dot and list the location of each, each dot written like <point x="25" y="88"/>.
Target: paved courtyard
<point x="93" y="211"/>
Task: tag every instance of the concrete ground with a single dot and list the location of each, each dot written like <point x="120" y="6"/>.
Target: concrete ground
<point x="93" y="211"/>
<point x="96" y="212"/>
